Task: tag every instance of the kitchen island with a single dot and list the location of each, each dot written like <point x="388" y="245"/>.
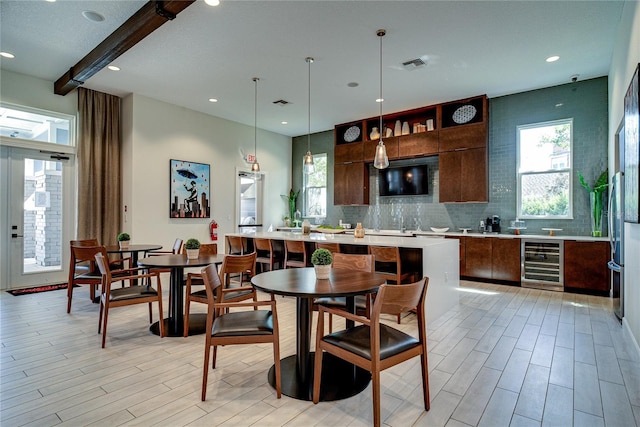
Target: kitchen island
<point x="439" y="260"/>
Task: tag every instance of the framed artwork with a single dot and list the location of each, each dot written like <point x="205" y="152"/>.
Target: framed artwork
<point x="189" y="189"/>
<point x="632" y="151"/>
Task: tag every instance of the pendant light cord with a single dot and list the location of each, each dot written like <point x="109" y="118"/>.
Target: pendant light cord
<point x="381" y="33"/>
<point x="255" y="121"/>
<point x="309" y="61"/>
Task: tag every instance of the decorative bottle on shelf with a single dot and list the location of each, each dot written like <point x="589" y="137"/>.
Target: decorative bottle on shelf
<point x="398" y="130"/>
<point x="405" y="128"/>
<point x="358" y="232"/>
<point x="374" y="134"/>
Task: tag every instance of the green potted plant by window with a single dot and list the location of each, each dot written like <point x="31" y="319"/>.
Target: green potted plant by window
<point x="193" y="248"/>
<point x="595" y="201"/>
<point x="322" y="260"/>
<point x="123" y="240"/>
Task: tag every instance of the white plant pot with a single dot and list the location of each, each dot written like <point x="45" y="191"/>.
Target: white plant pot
<point x="322" y="271"/>
<point x="193" y="253"/>
<point x="123" y="244"/>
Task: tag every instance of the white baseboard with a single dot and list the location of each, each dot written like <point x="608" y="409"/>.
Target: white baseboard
<point x="627" y="330"/>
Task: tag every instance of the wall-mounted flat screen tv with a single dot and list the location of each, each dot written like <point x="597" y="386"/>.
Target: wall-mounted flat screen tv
<point x="404" y="181"/>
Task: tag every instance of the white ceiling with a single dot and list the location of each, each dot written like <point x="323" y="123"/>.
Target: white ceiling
<point x="472" y="47"/>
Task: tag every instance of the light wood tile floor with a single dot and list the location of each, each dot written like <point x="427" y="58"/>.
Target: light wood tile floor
<point x="505" y="356"/>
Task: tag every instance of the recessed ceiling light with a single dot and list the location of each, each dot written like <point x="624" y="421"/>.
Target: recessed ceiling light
<point x="558" y="105"/>
<point x="380" y="100"/>
<point x="213" y="100"/>
<point x="553" y="58"/>
<point x="212" y="2"/>
<point x="92" y="16"/>
<point x="353" y="84"/>
<point x="284" y="123"/>
<point x="113" y="68"/>
<point x="7" y="55"/>
<point x="51" y="1"/>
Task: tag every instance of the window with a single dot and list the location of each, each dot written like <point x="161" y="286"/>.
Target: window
<point x="30" y="124"/>
<point x="315" y="188"/>
<point x="545" y="170"/>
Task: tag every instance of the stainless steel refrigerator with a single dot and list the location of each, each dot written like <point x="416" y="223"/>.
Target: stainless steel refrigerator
<point x="616" y="238"/>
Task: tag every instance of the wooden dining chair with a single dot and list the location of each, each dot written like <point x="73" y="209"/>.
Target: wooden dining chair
<point x="243" y="266"/>
<point x="225" y="326"/>
<point x="362" y="302"/>
<point x="119" y="297"/>
<point x="295" y="254"/>
<point x="375" y="346"/>
<point x="332" y="247"/>
<point x="83" y="270"/>
<point x="266" y="255"/>
<point x="389" y="265"/>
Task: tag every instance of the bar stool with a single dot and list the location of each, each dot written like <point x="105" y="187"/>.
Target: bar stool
<point x="388" y="264"/>
<point x="266" y="254"/>
<point x="334" y="248"/>
<point x="236" y="245"/>
<point x="295" y="254"/>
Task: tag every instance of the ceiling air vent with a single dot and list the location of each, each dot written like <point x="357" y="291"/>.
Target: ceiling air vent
<point x="281" y="102"/>
<point x="413" y="64"/>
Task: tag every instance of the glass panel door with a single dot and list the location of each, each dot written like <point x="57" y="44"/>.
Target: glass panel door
<point x="38" y="221"/>
<point x="249" y="201"/>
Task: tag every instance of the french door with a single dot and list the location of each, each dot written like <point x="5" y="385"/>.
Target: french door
<point x="37" y="194"/>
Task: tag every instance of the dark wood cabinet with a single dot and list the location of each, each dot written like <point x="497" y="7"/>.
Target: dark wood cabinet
<point x="463" y="137"/>
<point x="351" y="184"/>
<point x="492" y="258"/>
<point x="505" y="254"/>
<point x="391" y="145"/>
<point x="348" y="153"/>
<point x="418" y="145"/>
<point x="463" y="176"/>
<point x="478" y="257"/>
<point x="585" y="265"/>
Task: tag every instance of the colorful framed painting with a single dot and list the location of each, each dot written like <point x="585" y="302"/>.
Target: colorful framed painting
<point x="189" y="190"/>
<point x="632" y="151"/>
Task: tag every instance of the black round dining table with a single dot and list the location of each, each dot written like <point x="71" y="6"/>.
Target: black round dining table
<point x="340" y="379"/>
<point x="177" y="263"/>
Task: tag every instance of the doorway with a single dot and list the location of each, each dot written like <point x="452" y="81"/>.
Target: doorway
<point x="37" y="194"/>
<point x="249" y="187"/>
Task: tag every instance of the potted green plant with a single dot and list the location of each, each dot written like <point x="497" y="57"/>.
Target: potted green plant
<point x="123" y="240"/>
<point x="322" y="260"/>
<point x="595" y="201"/>
<point x="193" y="248"/>
<point x="291" y="203"/>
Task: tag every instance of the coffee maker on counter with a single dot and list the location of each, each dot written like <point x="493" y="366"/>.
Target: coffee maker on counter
<point x="490" y="225"/>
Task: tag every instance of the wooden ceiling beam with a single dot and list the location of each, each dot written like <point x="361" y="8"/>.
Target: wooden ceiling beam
<point x="142" y="23"/>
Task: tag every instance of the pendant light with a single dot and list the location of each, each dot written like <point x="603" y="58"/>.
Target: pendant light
<point x="255" y="166"/>
<point x="308" y="166"/>
<point x="380" y="160"/>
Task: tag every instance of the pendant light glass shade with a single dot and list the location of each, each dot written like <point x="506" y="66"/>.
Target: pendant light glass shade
<point x="308" y="166"/>
<point x="381" y="161"/>
<point x="255" y="166"/>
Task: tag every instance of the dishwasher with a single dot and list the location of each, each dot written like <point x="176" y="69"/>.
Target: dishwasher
<point x="542" y="264"/>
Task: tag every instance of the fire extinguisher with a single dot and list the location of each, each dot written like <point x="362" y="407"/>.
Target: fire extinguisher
<point x="213" y="230"/>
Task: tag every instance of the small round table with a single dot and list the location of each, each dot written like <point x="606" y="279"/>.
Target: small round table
<point x="339" y="378"/>
<point x="174" y="324"/>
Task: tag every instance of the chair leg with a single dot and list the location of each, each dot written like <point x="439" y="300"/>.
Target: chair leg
<point x="330" y="323"/>
<point x="104" y="323"/>
<point x="317" y="373"/>
<point x="100" y="317"/>
<point x="185" y="332"/>
<point x="425" y="381"/>
<point x="69" y="295"/>
<point x="205" y="371"/>
<point x="150" y="315"/>
<point x="215" y="355"/>
<point x="375" y="382"/>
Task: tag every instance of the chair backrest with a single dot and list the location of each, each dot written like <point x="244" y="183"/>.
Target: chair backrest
<point x="209" y="249"/>
<point x="103" y="264"/>
<point x="263" y="245"/>
<point x="334" y="248"/>
<point x="393" y="299"/>
<point x="385" y="253"/>
<point x="85" y="253"/>
<point x="85" y="242"/>
<point x="234" y="264"/>
<point x="235" y="245"/>
<point x="353" y="262"/>
<point x="212" y="283"/>
<point x="295" y="246"/>
<point x="177" y="246"/>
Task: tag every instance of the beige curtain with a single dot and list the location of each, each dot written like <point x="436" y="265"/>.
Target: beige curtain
<point x="99" y="185"/>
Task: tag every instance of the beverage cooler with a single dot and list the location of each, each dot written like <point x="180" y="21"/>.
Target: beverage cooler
<point x="542" y="264"/>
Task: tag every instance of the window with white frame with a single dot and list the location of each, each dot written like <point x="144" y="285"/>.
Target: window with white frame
<point x="24" y="123"/>
<point x="545" y="170"/>
<point x="315" y="188"/>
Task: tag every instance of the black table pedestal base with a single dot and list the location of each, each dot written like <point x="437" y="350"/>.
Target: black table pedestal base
<point x="337" y="382"/>
<point x="197" y="326"/>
